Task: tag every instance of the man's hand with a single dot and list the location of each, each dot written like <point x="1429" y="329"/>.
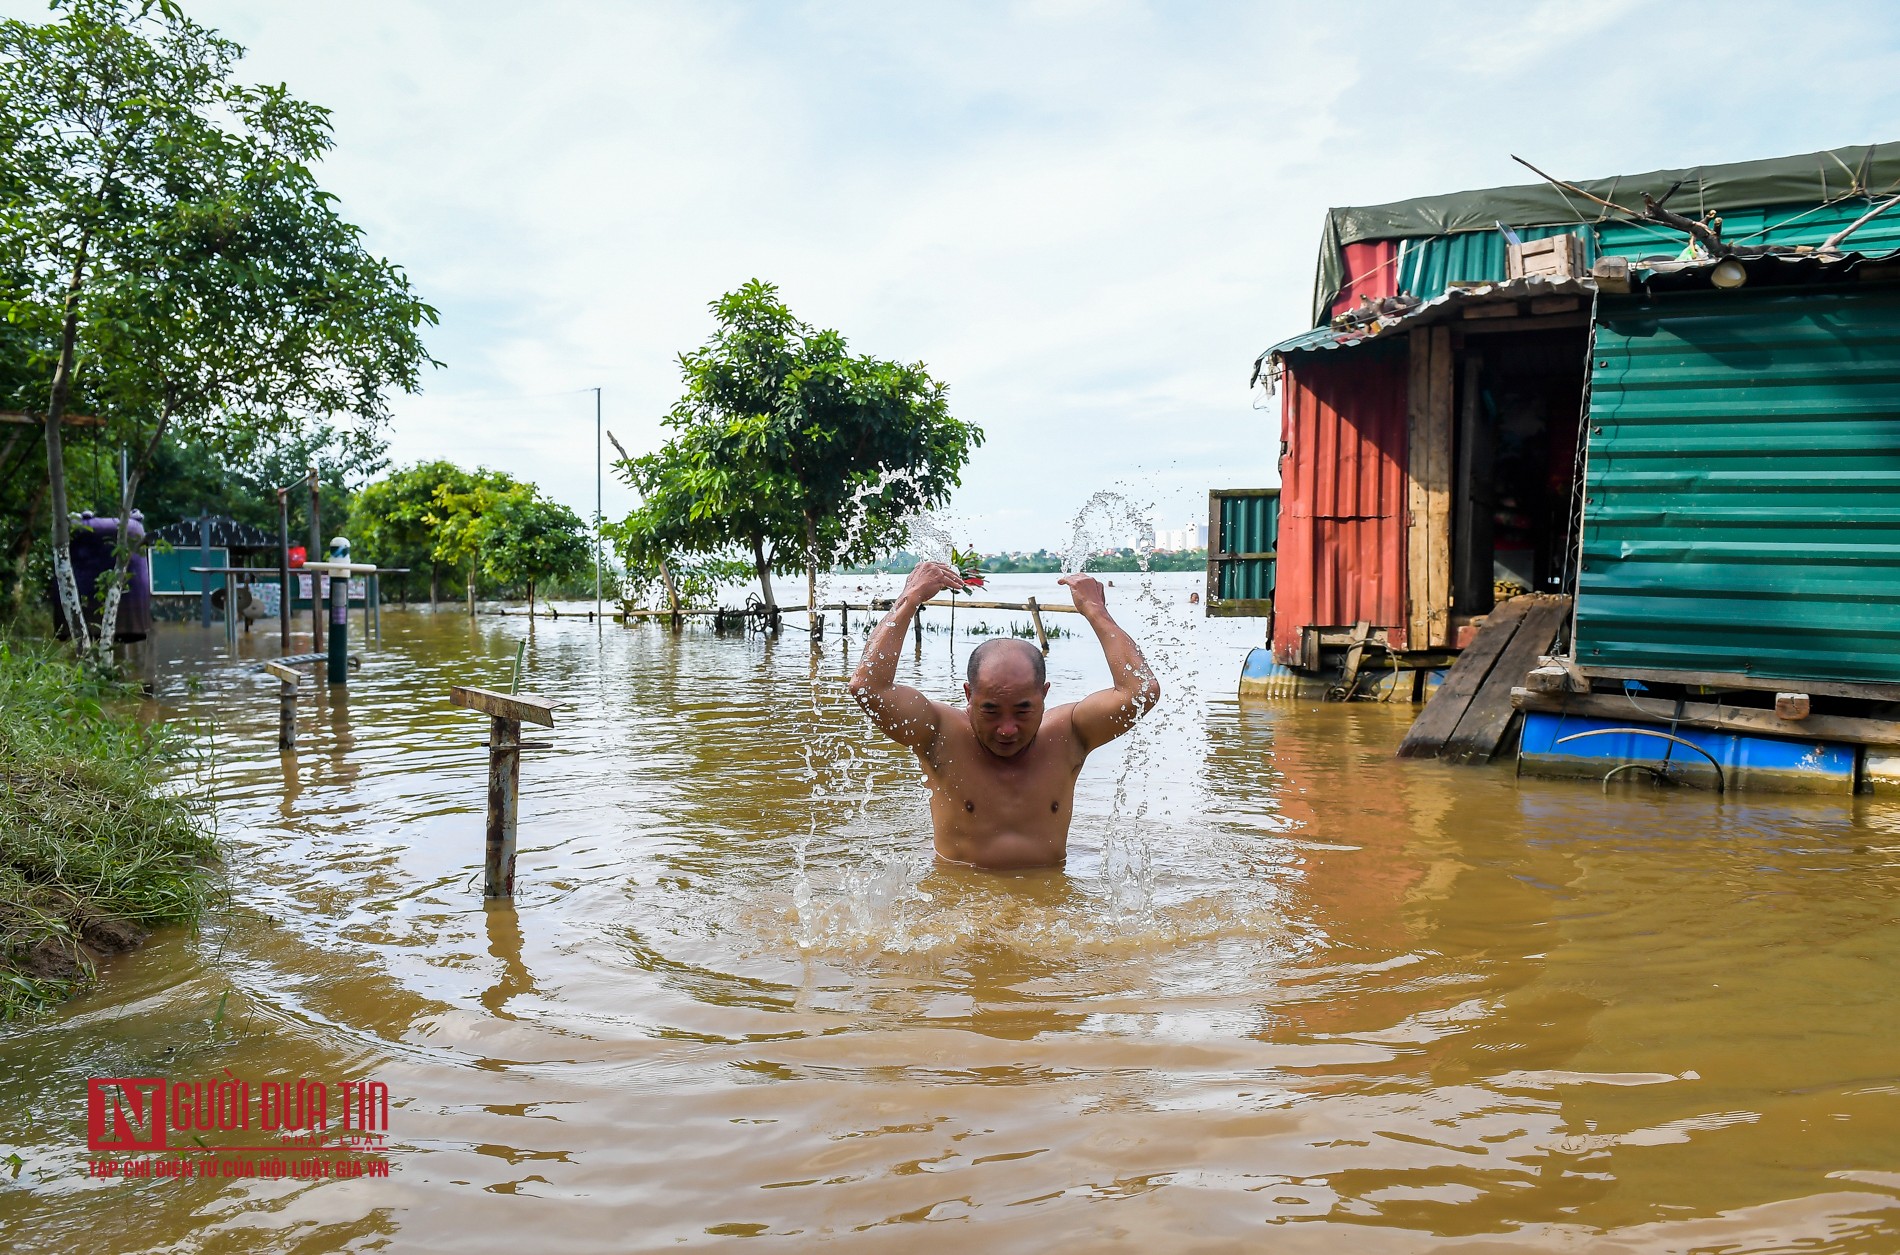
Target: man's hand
<point x="930" y="578"/>
<point x="1086" y="592"/>
<point x="1101" y="717"/>
<point x="907" y="716"/>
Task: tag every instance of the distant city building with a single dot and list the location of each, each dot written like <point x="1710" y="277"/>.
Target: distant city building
<point x="1176" y="539"/>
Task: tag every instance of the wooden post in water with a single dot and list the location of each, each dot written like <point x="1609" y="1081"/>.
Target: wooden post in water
<point x="506" y="712"/>
<point x="1035" y="617"/>
<point x="917" y="627"/>
<point x="287" y="679"/>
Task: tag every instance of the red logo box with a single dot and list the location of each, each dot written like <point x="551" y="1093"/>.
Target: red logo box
<point x="125" y="1113"/>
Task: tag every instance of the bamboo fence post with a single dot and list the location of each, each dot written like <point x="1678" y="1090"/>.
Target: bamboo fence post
<point x="1035" y="617"/>
<point x="506" y="712"/>
<point x="286" y="705"/>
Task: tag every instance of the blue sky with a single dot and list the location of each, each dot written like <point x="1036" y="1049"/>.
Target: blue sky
<point x="1086" y="217"/>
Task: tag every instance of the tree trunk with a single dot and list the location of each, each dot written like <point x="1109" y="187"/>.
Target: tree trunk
<point x="122" y="551"/>
<point x="63" y="578"/>
<point x="672" y="592"/>
<point x="765" y="572"/>
<point x="471" y="588"/>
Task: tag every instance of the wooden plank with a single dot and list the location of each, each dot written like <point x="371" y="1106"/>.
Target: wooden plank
<point x="1737" y="680"/>
<point x="1237" y="608"/>
<point x="1487" y="718"/>
<point x="1554" y="304"/>
<point x="283" y="673"/>
<point x="1438" y="494"/>
<point x="1538" y="322"/>
<point x="1471" y="522"/>
<point x="1215" y="543"/>
<point x="964" y="603"/>
<point x="39" y="420"/>
<point x="1713" y="715"/>
<point x="1417" y="518"/>
<point x="1793" y="706"/>
<point x="1440" y="717"/>
<point x="1506" y="309"/>
<point x="521" y="706"/>
<point x="1035" y="617"/>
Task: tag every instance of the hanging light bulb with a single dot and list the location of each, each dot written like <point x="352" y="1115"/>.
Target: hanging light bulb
<point x="1728" y="273"/>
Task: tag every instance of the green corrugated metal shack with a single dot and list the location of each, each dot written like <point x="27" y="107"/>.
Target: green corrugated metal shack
<point x="1727" y="512"/>
<point x="1741" y="510"/>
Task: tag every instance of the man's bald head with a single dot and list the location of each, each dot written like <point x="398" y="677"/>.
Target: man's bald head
<point x="1001" y="648"/>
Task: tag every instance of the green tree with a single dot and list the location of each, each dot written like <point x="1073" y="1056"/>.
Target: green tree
<point x="457" y="519"/>
<point x="527" y="539"/>
<point x="163" y="235"/>
<point x="395" y="518"/>
<point x="792" y="450"/>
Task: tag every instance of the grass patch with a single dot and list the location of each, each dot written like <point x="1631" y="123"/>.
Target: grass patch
<point x="95" y="848"/>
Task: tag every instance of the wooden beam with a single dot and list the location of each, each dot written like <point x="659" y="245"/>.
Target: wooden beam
<point x="1237" y="608"/>
<point x="39" y="420"/>
<point x="286" y="674"/>
<point x="1035" y="617"/>
<point x="1487" y="722"/>
<point x="1505" y="309"/>
<point x="1546" y="322"/>
<point x="1439" y="720"/>
<point x="519" y="706"/>
<point x="1736" y="680"/>
<point x="1214" y="543"/>
<point x="1471" y="521"/>
<point x="963" y="603"/>
<point x="1712" y="715"/>
<point x="1438" y="493"/>
<point x="1417" y="400"/>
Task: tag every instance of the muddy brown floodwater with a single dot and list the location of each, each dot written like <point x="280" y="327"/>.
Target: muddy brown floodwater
<point x="1289" y="994"/>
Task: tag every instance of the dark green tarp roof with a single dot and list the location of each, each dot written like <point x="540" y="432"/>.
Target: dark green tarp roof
<point x="1811" y="178"/>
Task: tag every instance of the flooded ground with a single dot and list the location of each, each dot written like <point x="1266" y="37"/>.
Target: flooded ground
<point x="1289" y="994"/>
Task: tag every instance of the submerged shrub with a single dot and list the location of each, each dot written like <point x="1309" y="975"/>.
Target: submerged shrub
<point x="95" y="847"/>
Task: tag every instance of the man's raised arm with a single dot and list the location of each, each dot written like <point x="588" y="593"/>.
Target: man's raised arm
<point x="905" y="715"/>
<point x="1101" y="717"/>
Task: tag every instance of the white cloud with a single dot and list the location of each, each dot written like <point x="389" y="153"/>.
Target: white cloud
<point x="1086" y="217"/>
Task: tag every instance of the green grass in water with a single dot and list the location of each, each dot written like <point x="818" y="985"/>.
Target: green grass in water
<point x="95" y="847"/>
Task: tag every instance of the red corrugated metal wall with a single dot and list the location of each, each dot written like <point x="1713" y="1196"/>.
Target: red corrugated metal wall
<point x="1372" y="270"/>
<point x="1342" y="494"/>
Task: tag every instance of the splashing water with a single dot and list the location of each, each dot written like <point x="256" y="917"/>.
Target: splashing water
<point x="1159" y="628"/>
<point x="868" y="896"/>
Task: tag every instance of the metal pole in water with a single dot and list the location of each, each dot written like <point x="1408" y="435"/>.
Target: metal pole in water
<point x="204" y="560"/>
<point x="339" y="663"/>
<point x="283" y="569"/>
<point x="597" y="505"/>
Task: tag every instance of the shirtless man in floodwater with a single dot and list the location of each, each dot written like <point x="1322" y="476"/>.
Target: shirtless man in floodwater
<point x="1002" y="771"/>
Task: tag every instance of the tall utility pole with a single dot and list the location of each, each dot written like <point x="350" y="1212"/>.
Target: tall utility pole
<point x="598" y="621"/>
